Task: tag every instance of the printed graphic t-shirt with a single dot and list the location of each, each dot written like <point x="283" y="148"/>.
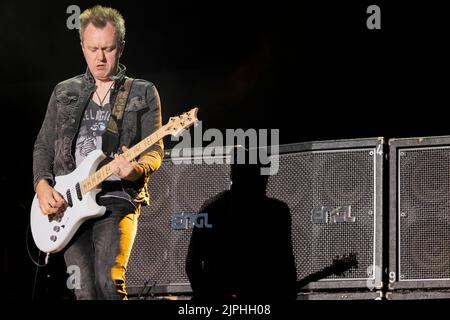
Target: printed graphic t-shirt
<point x="93" y="125"/>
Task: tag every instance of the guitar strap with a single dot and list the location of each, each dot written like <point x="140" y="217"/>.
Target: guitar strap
<point x="110" y="139"/>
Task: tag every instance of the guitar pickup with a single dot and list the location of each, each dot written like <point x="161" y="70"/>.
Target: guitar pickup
<point x="78" y="189"/>
<point x="69" y="198"/>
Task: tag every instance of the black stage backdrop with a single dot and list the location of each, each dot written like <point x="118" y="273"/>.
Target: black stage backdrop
<point x="311" y="69"/>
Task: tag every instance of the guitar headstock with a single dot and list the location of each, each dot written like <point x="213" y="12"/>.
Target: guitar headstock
<point x="342" y="264"/>
<point x="176" y="125"/>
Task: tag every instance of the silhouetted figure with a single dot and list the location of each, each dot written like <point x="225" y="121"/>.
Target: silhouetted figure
<point x="247" y="253"/>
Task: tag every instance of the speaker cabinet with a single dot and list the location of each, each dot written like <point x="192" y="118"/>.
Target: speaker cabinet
<point x="419" y="223"/>
<point x="157" y="261"/>
<point x="334" y="193"/>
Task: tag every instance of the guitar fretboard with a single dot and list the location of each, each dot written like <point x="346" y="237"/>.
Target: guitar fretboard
<point x="104" y="172"/>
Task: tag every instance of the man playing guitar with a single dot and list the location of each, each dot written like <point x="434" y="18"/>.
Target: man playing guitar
<point x="100" y="110"/>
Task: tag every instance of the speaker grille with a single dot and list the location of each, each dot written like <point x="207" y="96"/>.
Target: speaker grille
<point x="309" y="180"/>
<point x="424" y="213"/>
<point x="159" y="252"/>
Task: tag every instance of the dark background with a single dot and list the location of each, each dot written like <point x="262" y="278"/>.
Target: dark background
<point x="312" y="70"/>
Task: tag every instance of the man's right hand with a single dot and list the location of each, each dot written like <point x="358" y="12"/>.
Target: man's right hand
<point x="50" y="201"/>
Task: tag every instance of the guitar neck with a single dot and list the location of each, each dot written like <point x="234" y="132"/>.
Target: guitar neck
<point x="316" y="276"/>
<point x="104" y="172"/>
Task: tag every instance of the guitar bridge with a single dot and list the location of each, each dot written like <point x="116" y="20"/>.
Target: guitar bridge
<point x="55" y="217"/>
<point x="69" y="198"/>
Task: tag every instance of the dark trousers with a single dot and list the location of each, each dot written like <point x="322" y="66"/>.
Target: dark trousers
<point x="100" y="251"/>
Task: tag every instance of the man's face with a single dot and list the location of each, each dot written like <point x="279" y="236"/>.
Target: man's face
<point x="101" y="50"/>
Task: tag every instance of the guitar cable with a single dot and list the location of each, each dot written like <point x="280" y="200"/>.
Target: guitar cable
<point x="47" y="257"/>
<point x="38" y="265"/>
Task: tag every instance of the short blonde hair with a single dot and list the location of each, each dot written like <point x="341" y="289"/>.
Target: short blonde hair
<point x="99" y="16"/>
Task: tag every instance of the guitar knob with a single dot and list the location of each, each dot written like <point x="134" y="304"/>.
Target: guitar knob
<point x="53" y="238"/>
<point x="56" y="228"/>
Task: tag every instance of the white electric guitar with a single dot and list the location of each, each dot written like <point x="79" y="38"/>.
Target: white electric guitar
<point x="51" y="233"/>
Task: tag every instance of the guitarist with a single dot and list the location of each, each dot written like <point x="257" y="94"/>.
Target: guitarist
<point x="84" y="114"/>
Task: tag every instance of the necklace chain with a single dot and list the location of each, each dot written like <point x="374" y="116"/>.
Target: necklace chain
<point x="98" y="96"/>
